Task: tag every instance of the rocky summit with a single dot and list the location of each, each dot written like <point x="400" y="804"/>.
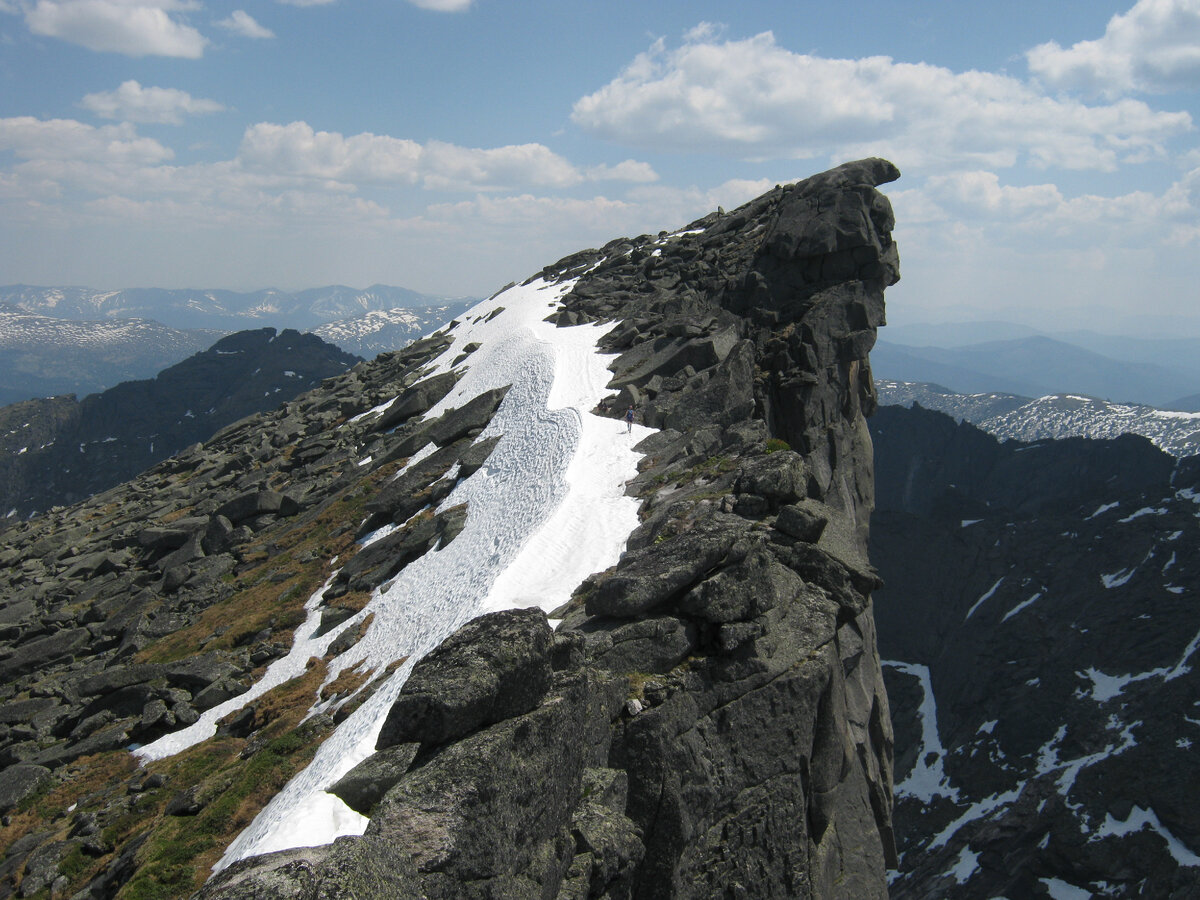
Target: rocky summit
<point x="254" y="640"/>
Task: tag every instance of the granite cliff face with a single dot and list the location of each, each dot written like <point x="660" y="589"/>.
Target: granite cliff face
<point x="707" y="718"/>
<point x="1042" y="634"/>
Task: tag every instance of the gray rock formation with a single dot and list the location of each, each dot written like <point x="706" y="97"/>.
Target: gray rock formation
<point x="709" y="717"/>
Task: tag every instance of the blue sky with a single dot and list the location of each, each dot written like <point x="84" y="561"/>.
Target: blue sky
<point x="1050" y="156"/>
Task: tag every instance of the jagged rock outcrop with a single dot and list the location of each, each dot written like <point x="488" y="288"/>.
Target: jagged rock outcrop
<point x="58" y="451"/>
<point x="1042" y="637"/>
<point x="707" y="719"/>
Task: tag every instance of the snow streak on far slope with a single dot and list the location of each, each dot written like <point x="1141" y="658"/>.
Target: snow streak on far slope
<point x="1011" y="417"/>
<point x="546" y="509"/>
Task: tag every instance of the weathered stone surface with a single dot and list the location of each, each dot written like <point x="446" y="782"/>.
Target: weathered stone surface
<point x="417" y="399"/>
<point x="650" y="578"/>
<point x="257" y="503"/>
<point x="18" y="782"/>
<point x="493" y="668"/>
<point x="364" y="785"/>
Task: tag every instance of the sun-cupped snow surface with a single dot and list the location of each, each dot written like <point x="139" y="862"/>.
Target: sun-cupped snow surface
<point x="547" y="509"/>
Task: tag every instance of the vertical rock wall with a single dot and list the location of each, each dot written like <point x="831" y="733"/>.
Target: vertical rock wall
<point x="709" y="719"/>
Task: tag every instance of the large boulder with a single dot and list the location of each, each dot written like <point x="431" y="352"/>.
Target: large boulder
<point x="491" y="669"/>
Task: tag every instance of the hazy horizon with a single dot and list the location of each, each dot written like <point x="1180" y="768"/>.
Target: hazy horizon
<point x="1051" y="169"/>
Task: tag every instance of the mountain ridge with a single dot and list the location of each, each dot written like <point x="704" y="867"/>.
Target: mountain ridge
<point x="1052" y="417"/>
<point x="216" y="308"/>
<point x="58" y="451"/>
<point x="606" y="758"/>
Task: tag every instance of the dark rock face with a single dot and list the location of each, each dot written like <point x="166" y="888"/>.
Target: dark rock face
<point x="709" y="716"/>
<point x="83" y="448"/>
<point x="1041" y="633"/>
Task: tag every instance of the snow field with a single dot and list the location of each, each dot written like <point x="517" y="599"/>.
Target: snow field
<point x="547" y="509"/>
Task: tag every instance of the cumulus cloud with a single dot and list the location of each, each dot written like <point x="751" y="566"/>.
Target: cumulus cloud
<point x="131" y="27"/>
<point x="133" y="103"/>
<point x="754" y="99"/>
<point x="629" y="170"/>
<point x="241" y="22"/>
<point x="1155" y="47"/>
<point x="1042" y="219"/>
<point x="65" y="139"/>
<point x="443" y="5"/>
<point x="298" y="149"/>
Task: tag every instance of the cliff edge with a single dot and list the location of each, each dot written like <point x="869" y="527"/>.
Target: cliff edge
<point x="709" y="719"/>
<point x="706" y="717"/>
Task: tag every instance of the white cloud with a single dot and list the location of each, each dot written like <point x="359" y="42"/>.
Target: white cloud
<point x="629" y="170"/>
<point x="754" y="99"/>
<point x="443" y="5"/>
<point x="979" y="192"/>
<point x="1041" y="219"/>
<point x="131" y="27"/>
<point x="297" y="149"/>
<point x="133" y="103"/>
<point x="65" y="139"/>
<point x="241" y="22"/>
<point x="1154" y="47"/>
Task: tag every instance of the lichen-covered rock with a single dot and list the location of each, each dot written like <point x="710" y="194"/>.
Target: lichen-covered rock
<point x="493" y="668"/>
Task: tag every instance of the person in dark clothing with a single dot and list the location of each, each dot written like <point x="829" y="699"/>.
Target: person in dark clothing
<point x="629" y="420"/>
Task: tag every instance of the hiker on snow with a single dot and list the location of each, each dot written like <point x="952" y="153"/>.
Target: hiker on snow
<point x="629" y="420"/>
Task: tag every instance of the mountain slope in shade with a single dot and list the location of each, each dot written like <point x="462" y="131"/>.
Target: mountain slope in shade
<point x="59" y="451"/>
<point x="42" y="356"/>
<point x="1042" y="632"/>
<point x="1012" y="417"/>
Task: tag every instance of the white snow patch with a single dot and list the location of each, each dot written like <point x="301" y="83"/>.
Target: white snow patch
<point x="1117" y="579"/>
<point x="986" y="596"/>
<point x="1144" y="511"/>
<point x="1020" y="606"/>
<point x="547" y="509"/>
<point x="1145" y="818"/>
<point x="1105" y="687"/>
<point x="965" y="866"/>
<point x="1103" y="509"/>
<point x="1064" y="890"/>
<point x="1048" y="760"/>
<point x="969" y="522"/>
<point x="988" y="727"/>
<point x="977" y="810"/>
<point x="928" y="777"/>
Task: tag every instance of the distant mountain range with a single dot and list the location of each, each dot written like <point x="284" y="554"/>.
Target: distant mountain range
<point x="42" y="356"/>
<point x="56" y="341"/>
<point x="381" y="330"/>
<point x="1000" y="356"/>
<point x="1011" y="416"/>
<point x="216" y="309"/>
